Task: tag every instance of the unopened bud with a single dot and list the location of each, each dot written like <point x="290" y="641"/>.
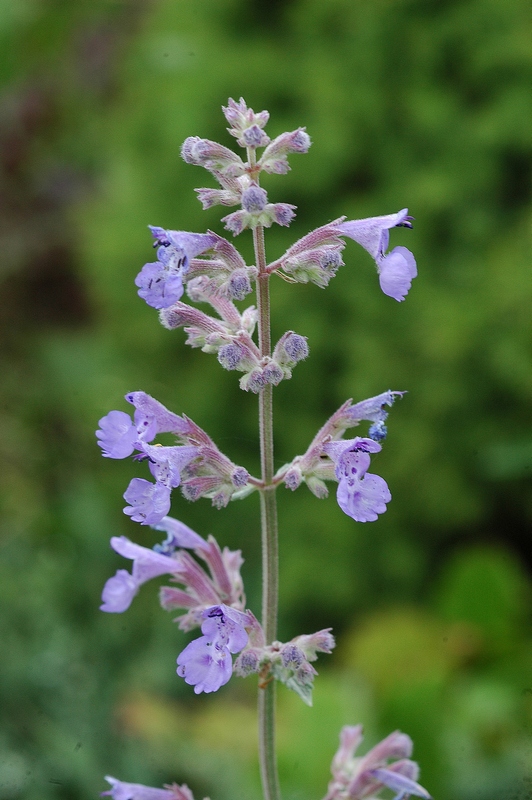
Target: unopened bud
<point x="217" y="197"/>
<point x="378" y="431"/>
<point x="272" y="373"/>
<point x="292" y="657"/>
<point x="290" y="349"/>
<point x="212" y="156"/>
<point x="293" y="478"/>
<point x="254" y="137"/>
<point x="317" y="487"/>
<point x="253" y="381"/>
<point x="314" y="643"/>
<point x="231" y="355"/>
<point x="296" y="347"/>
<point x="240" y="477"/>
<point x="241" y="118"/>
<point x="246" y="663"/>
<point x="239" y="284"/>
<point x="274" y="159"/>
<point x="254" y="199"/>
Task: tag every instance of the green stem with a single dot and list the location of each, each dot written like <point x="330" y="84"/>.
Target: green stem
<point x="269" y="527"/>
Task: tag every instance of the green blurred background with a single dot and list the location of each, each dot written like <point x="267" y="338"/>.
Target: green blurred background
<point x="418" y="103"/>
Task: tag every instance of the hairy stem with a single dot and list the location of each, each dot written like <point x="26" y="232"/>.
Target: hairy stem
<point x="269" y="527"/>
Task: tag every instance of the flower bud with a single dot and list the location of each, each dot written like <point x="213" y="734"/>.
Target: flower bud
<point x="253" y="381"/>
<point x="254" y="137"/>
<point x="254" y="199"/>
<point x="317" y="487"/>
<point x="212" y="156"/>
<point x="239" y="284"/>
<point x="247" y="662"/>
<point x="292" y="657"/>
<point x="274" y="159"/>
<point x="378" y="431"/>
<point x="242" y="119"/>
<point x="237" y="356"/>
<point x="217" y="197"/>
<point x="293" y="478"/>
<point x="282" y="213"/>
<point x="316" y="266"/>
<point x="240" y="477"/>
<point x="272" y="373"/>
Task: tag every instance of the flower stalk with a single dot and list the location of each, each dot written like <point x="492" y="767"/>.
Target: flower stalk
<point x="210" y="589"/>
<point x="269" y="525"/>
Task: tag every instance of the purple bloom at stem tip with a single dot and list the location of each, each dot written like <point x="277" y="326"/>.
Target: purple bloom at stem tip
<point x="398" y="268"/>
<point x="206" y="662"/>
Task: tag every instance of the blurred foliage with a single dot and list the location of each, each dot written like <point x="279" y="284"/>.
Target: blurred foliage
<point x="408" y="102"/>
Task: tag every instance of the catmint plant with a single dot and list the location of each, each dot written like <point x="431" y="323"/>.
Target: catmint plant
<point x="205" y="581"/>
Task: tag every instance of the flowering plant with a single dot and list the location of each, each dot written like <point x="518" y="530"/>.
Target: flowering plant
<point x="207" y="584"/>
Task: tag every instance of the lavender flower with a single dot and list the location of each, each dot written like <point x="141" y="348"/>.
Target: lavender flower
<point x="206" y="662"/>
<point x="398" y="268"/>
<point x="136" y="791"/>
<point x="200" y="590"/>
<point x="161" y="283"/>
<point x="198" y="466"/>
<point x="147" y="502"/>
<point x="358" y="778"/>
<point x="120" y="590"/>
<point x="360" y="495"/>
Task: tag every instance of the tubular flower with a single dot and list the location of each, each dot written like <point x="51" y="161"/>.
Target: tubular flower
<point x="136" y="791"/>
<point x="396" y="269"/>
<point x="365" y="777"/>
<point x="206" y="662"/>
<point x="201" y="590"/>
<point x="197" y="465"/>
<point x="360" y="495"/>
<point x="161" y="282"/>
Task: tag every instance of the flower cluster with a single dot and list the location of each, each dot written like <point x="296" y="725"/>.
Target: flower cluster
<point x="206" y="581"/>
<point x="364" y="777"/>
<point x="208" y="472"/>
<point x="230" y="336"/>
<point x="288" y="663"/>
<point x="200" y="590"/>
<point x="316" y="257"/>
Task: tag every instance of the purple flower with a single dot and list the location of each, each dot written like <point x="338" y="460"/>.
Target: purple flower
<point x="120" y="590"/>
<point x="206" y="662"/>
<point x="119" y="436"/>
<point x="357" y="778"/>
<point x="161" y="282"/>
<point x="136" y="791"/>
<point x="360" y="495"/>
<point x="179" y="535"/>
<point x="398" y="268"/>
<point x="148" y="502"/>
